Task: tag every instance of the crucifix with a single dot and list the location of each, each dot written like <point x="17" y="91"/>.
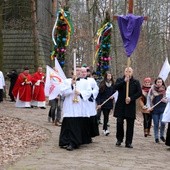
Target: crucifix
<point x="129" y="36"/>
<point x="130" y="10"/>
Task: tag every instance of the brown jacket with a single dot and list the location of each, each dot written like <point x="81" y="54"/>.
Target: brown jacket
<point x="142" y="103"/>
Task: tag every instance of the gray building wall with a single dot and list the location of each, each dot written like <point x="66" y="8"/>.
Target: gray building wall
<point x="18" y="40"/>
<point x="18" y="50"/>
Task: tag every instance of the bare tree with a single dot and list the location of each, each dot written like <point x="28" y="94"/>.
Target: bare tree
<point x="35" y="33"/>
<point x="1" y="43"/>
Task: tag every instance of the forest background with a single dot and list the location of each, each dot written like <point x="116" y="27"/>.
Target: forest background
<point x="88" y="15"/>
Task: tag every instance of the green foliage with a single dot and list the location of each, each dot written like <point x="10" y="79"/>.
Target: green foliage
<point x="64" y="29"/>
<point x="103" y="47"/>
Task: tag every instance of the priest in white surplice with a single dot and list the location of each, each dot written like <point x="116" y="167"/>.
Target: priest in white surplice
<point x="75" y="115"/>
<point x="166" y="116"/>
<point x="91" y="102"/>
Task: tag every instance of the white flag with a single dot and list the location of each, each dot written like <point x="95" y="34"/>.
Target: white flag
<point x="166" y="114"/>
<point x="59" y="69"/>
<point x="165" y="70"/>
<point x="115" y="95"/>
<point x="53" y="83"/>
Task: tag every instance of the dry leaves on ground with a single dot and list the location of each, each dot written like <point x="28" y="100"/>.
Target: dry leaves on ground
<point x="18" y="138"/>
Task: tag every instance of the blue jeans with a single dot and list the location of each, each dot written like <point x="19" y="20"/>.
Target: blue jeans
<point x="157" y="120"/>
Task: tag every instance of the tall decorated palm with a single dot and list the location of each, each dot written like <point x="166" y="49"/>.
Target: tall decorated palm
<point x="103" y="47"/>
<point x="61" y="33"/>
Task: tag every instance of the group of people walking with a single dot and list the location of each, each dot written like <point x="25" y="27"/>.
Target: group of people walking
<point x="29" y="89"/>
<point x="77" y="124"/>
<point x="83" y="100"/>
<point x="153" y="104"/>
<point x="152" y="100"/>
<point x="25" y="89"/>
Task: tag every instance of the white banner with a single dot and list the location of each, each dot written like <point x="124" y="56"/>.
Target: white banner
<point x="59" y="69"/>
<point x="53" y="83"/>
<point x="165" y="70"/>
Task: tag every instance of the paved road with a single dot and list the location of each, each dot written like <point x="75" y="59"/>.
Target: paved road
<point x="102" y="154"/>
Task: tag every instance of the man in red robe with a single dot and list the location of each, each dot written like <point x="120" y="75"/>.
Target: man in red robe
<point x="22" y="90"/>
<point x="38" y="98"/>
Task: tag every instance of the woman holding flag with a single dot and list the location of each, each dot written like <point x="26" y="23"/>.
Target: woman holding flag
<point x="147" y="117"/>
<point x="106" y="90"/>
<point x="156" y="103"/>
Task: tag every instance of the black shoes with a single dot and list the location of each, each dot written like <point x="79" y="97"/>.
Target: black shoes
<point x="162" y="138"/>
<point x="118" y="143"/>
<point x="99" y="122"/>
<point x="64" y="147"/>
<point x="70" y="148"/>
<point x="12" y="100"/>
<point x="156" y="140"/>
<point x="43" y="107"/>
<point x="128" y="146"/>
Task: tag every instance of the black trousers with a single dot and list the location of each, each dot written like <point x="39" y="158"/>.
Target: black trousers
<point x="168" y="136"/>
<point x="147" y="120"/>
<point x="1" y="95"/>
<point x="129" y="129"/>
<point x="106" y="118"/>
<point x="99" y="114"/>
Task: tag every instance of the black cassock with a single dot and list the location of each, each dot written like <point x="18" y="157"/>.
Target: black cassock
<point x="168" y="136"/>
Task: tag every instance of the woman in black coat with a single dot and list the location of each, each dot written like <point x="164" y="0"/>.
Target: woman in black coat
<point x="125" y="108"/>
<point x="106" y="90"/>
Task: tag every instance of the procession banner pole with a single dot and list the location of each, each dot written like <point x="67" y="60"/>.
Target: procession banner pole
<point x="74" y="61"/>
<point x="105" y="101"/>
<point x="75" y="99"/>
<point x="127" y="83"/>
<point x="130" y="11"/>
<point x="157" y="103"/>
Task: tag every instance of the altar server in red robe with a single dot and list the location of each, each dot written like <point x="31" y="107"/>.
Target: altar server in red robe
<point x="38" y="80"/>
<point x="22" y="90"/>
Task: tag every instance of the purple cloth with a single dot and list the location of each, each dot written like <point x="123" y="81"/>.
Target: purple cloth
<point x="129" y="26"/>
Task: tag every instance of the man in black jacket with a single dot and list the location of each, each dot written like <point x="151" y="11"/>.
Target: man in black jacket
<point x="13" y="75"/>
<point x="125" y="107"/>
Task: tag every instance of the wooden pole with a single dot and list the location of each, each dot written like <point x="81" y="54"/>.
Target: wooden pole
<point x="75" y="99"/>
<point x="130" y="11"/>
<point x="127" y="83"/>
<point x="74" y="61"/>
<point x="157" y="103"/>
